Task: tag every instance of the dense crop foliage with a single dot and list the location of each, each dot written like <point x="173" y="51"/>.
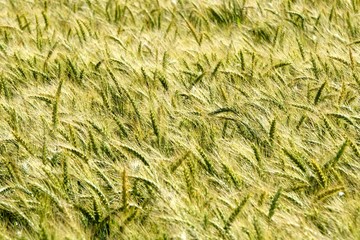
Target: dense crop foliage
<point x="179" y="119"/>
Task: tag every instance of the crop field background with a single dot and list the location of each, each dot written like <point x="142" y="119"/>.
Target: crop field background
<point x="179" y="119"/>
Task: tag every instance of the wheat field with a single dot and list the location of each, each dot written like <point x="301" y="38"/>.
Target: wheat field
<point x="179" y="119"/>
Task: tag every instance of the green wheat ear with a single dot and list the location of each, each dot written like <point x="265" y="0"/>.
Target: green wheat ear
<point x="136" y="154"/>
<point x="258" y="230"/>
<point x="15" y="173"/>
<point x="196" y="36"/>
<point x="124" y="192"/>
<point x="235" y="213"/>
<point x="55" y="116"/>
<point x="72" y="136"/>
<point x="298" y="162"/>
<point x="321" y="177"/>
<point x="231" y="175"/>
<point x="272" y="132"/>
<point x="335" y="160"/>
<point x="274" y="203"/>
<point x="155" y="126"/>
<point x="15" y="211"/>
<point x="301" y="49"/>
<point x="23" y="143"/>
<point x="105" y="178"/>
<point x="354" y="148"/>
<point x="100" y="194"/>
<point x="318" y="94"/>
<point x="175" y="165"/>
<point x="209" y="167"/>
<point x="76" y="153"/>
<point x="93" y="143"/>
<point x="189" y="184"/>
<point x="96" y="210"/>
<point x="328" y="193"/>
<point x="66" y="179"/>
